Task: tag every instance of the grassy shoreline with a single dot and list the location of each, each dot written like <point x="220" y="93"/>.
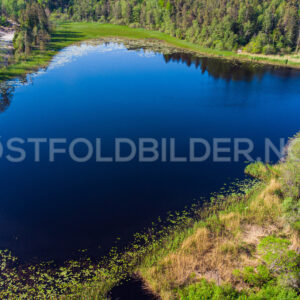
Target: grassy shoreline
<point x="66" y="34"/>
<point x="242" y="244"/>
<point x="247" y="248"/>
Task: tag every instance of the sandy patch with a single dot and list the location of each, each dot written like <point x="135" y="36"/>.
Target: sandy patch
<point x="7" y="36"/>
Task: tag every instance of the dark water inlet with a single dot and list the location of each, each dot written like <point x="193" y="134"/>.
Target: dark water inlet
<point x="132" y="289"/>
<point x="50" y="210"/>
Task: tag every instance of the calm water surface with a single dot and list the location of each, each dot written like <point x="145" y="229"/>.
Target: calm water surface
<point x="50" y="210"/>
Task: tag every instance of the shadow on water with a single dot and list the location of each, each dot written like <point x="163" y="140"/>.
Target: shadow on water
<point x="64" y="36"/>
<point x="227" y="70"/>
<point x="218" y="68"/>
<point x="132" y="289"/>
<point x="58" y="42"/>
<point x="6" y="95"/>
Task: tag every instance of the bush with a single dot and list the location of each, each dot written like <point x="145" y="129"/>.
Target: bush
<point x="255" y="278"/>
<point x="290" y="280"/>
<point x="258" y="170"/>
<point x="205" y="290"/>
<point x="219" y="45"/>
<point x="280" y="260"/>
<point x="290" y="177"/>
<point x="280" y="268"/>
<point x="3" y="21"/>
<point x="291" y="208"/>
<point x="269" y="49"/>
<point x="132" y="25"/>
<point x="257" y="43"/>
<point x="287" y="50"/>
<point x="271" y="292"/>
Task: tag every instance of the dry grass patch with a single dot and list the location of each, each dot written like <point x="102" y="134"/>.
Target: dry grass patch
<point x="202" y="255"/>
<point x="213" y="252"/>
<point x="230" y="240"/>
<point x="288" y="57"/>
<point x="200" y="242"/>
<point x="266" y="208"/>
<point x="253" y="233"/>
<point x="295" y="239"/>
<point x="231" y="222"/>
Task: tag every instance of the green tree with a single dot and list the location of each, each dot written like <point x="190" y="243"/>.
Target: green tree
<point x="34" y="28"/>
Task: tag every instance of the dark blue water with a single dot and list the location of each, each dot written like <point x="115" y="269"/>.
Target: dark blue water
<point x="50" y="210"/>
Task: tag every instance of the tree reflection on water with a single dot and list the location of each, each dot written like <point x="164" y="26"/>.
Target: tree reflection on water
<point x="218" y="68"/>
<point x="229" y="70"/>
<point x="6" y="95"/>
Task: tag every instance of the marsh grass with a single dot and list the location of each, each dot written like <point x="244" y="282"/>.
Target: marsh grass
<point x="87" y="280"/>
<point x="227" y="240"/>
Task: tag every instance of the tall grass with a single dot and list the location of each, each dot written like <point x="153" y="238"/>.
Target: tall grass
<point x="227" y="239"/>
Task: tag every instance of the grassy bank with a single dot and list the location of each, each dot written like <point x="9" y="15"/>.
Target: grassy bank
<point x="66" y="34"/>
<point x="247" y="250"/>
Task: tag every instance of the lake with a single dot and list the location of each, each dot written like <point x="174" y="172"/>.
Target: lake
<point x="49" y="210"/>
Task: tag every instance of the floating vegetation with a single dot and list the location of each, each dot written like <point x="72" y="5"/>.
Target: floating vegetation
<point x="87" y="279"/>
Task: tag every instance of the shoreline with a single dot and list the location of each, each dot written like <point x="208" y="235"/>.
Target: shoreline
<point x="66" y="34"/>
<point x="221" y="254"/>
<point x="6" y="46"/>
<point x="194" y="252"/>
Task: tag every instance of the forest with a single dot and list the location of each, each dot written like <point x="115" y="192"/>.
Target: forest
<point x="255" y="26"/>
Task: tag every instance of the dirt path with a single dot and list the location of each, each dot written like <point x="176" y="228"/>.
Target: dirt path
<point x="291" y="57"/>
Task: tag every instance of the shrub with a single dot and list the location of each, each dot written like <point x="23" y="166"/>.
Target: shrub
<point x="3" y="21"/>
<point x="280" y="260"/>
<point x="291" y="208"/>
<point x="255" y="278"/>
<point x="258" y="170"/>
<point x="290" y="279"/>
<point x="269" y="49"/>
<point x="290" y="177"/>
<point x="281" y="265"/>
<point x="272" y="292"/>
<point x="205" y="290"/>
